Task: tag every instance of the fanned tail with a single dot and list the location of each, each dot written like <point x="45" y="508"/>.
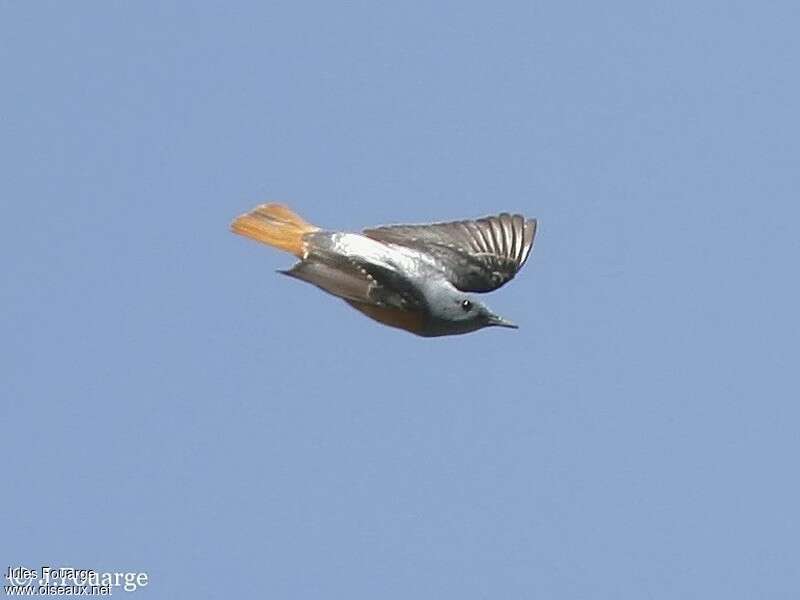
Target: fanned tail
<point x="275" y="225"/>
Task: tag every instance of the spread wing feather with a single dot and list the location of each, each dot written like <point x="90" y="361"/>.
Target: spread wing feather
<point x="476" y="256"/>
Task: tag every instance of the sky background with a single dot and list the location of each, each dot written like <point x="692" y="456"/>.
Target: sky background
<point x="171" y="405"/>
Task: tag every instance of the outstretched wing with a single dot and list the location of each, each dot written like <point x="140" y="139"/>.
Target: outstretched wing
<point x="477" y="256"/>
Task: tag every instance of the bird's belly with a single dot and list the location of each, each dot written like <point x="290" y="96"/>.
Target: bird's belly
<point x="412" y="321"/>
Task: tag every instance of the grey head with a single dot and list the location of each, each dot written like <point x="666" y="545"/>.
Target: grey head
<point x="451" y="311"/>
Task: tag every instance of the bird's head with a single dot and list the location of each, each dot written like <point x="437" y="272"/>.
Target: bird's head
<point x="454" y="312"/>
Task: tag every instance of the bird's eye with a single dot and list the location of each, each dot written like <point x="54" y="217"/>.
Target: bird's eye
<point x="466" y="305"/>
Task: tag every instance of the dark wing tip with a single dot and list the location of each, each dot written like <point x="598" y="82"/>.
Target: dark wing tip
<point x="528" y="234"/>
<point x="514" y="236"/>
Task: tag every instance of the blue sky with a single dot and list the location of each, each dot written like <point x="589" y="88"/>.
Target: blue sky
<point x="171" y="405"/>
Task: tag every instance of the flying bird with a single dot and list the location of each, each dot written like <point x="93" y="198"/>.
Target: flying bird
<point x="413" y="277"/>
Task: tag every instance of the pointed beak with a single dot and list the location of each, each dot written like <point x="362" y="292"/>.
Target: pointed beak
<point x="501" y="322"/>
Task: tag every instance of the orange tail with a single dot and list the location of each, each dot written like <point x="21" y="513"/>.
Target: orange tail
<point x="275" y="225"/>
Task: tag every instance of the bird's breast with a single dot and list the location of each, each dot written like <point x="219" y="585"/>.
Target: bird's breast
<point x="413" y="321"/>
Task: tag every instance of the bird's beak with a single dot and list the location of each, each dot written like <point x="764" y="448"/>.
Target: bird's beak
<point x="501" y="322"/>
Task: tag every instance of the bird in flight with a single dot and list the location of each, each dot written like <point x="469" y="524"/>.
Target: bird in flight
<point x="413" y="277"/>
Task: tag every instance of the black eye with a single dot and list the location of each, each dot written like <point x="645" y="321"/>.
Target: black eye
<point x="466" y="305"/>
